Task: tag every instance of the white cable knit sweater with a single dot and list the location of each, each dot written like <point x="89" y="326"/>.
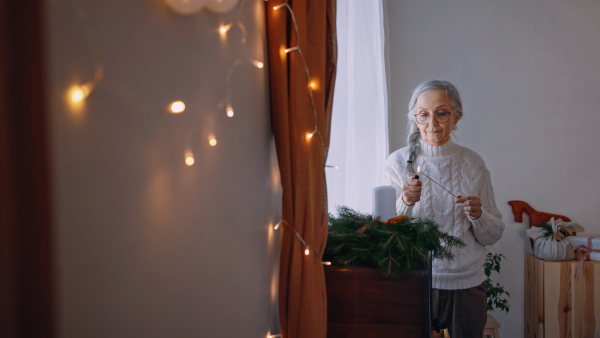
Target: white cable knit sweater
<point x="463" y="172"/>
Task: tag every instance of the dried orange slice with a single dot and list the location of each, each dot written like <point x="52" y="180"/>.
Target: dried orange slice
<point x="395" y="220"/>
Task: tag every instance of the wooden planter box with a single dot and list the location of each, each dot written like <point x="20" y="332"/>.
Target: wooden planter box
<point x="364" y="302"/>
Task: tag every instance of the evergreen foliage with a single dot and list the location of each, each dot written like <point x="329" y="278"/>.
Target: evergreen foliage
<point x="558" y="236"/>
<point x="547" y="228"/>
<point x="356" y="239"/>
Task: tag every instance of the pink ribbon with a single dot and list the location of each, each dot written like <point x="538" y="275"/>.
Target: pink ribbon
<point x="583" y="253"/>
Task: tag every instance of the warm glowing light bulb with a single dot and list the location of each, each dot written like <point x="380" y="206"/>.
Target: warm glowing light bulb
<point x="312" y="85"/>
<point x="326" y="263"/>
<point x="279" y="6"/>
<point x="287" y="50"/>
<point x="419" y="169"/>
<point x="223" y="29"/>
<point x="77" y="95"/>
<point x="212" y="141"/>
<point x="309" y="136"/>
<point x="258" y="64"/>
<point x="229" y="111"/>
<point x="306" y="252"/>
<point x="276" y="226"/>
<point x="177" y="107"/>
<point x="189" y="158"/>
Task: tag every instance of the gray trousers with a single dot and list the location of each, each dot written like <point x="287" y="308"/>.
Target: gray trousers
<point x="464" y="311"/>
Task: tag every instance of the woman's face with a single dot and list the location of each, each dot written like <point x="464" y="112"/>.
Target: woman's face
<point x="430" y="102"/>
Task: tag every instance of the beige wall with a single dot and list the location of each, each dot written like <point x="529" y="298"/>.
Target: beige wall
<point x="147" y="246"/>
<point x="528" y="73"/>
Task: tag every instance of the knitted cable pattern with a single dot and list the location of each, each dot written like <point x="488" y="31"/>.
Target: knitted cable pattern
<point x="463" y="172"/>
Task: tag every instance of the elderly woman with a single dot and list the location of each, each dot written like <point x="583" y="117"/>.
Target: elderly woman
<point x="459" y="295"/>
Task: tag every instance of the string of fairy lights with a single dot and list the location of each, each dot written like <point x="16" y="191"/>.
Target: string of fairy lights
<point x="312" y="85"/>
<point x="78" y="93"/>
<point x="309" y="135"/>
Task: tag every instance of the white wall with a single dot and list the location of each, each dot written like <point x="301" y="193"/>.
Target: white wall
<point x="147" y="246"/>
<point x="529" y="75"/>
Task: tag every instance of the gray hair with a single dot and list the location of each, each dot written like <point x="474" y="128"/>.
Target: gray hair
<point x="412" y="130"/>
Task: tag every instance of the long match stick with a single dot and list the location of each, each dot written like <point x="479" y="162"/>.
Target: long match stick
<point x="432" y="180"/>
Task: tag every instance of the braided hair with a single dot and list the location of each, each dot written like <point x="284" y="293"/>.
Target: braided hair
<point x="412" y="129"/>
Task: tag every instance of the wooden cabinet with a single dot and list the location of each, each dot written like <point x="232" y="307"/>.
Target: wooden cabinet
<point x="556" y="304"/>
<point x="364" y="302"/>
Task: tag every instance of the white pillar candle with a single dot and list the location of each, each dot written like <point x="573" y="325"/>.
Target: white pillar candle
<point x="384" y="202"/>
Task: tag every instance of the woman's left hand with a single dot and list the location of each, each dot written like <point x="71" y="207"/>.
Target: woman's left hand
<point x="471" y="205"/>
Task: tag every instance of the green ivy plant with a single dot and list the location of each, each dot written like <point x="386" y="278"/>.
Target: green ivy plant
<point x="494" y="290"/>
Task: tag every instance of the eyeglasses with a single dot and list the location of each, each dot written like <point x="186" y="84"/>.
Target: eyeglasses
<point x="441" y="116"/>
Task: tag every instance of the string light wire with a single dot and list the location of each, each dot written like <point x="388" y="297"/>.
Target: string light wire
<point x="189" y="154"/>
<point x="81" y="92"/>
<point x="308" y="248"/>
<point x="311" y="86"/>
<point x="76" y="94"/>
<point x="225" y="28"/>
<point x="228" y="106"/>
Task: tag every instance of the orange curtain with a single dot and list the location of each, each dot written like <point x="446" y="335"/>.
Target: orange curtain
<point x="27" y="289"/>
<point x="302" y="296"/>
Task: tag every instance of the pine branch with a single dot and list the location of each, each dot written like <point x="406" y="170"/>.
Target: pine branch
<point x="547" y="228"/>
<point x="357" y="239"/>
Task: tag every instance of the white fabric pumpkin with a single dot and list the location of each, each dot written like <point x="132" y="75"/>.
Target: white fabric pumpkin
<point x="548" y="248"/>
<point x="554" y="247"/>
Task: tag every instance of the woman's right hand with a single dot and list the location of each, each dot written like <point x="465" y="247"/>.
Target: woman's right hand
<point x="411" y="190"/>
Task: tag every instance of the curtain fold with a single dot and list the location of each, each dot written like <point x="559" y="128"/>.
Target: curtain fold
<point x="302" y="296"/>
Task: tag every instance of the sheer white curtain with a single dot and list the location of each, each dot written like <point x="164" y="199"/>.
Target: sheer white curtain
<point x="359" y="137"/>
